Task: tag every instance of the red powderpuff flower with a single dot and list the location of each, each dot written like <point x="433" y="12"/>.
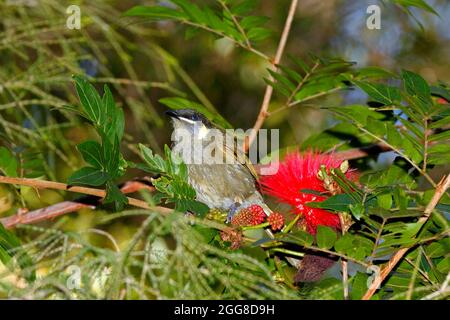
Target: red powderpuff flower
<point x="276" y="221"/>
<point x="250" y="216"/>
<point x="297" y="172"/>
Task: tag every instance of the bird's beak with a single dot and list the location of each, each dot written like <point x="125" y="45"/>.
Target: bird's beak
<point x="172" y="114"/>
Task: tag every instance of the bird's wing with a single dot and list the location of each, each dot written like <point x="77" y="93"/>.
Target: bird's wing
<point x="239" y="155"/>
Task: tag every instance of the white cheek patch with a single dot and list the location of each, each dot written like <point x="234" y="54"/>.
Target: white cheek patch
<point x="202" y="132"/>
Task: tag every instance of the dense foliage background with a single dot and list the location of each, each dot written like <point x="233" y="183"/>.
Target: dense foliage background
<point x="340" y="86"/>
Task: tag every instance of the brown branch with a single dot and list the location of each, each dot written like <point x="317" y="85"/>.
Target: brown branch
<point x="263" y="112"/>
<point x="69" y="206"/>
<point x="43" y="214"/>
<point x="441" y="188"/>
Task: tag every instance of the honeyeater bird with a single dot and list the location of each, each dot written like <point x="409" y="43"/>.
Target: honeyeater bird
<point x="225" y="185"/>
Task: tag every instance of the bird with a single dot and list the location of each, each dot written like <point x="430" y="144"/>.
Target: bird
<point x="219" y="183"/>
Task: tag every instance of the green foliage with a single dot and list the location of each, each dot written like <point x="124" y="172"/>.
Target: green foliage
<point x="165" y="256"/>
<point x="10" y="248"/>
<point x="326" y="237"/>
<point x="105" y="160"/>
<point x="8" y="163"/>
<point x="178" y="257"/>
<point x="415" y="3"/>
<point x="230" y="20"/>
<point x="310" y="79"/>
<point x="173" y="181"/>
<point x="420" y="117"/>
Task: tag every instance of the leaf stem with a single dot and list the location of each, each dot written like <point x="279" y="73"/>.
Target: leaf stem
<point x="258" y="226"/>
<point x="290" y="252"/>
<point x="291" y="224"/>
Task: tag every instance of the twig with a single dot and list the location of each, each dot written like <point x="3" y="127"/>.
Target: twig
<point x="440" y="190"/>
<point x="263" y="112"/>
<point x="344" y="227"/>
<point x="43" y="214"/>
<point x="302" y="82"/>
<point x="68" y="206"/>
<point x="236" y="23"/>
<point x="64" y="207"/>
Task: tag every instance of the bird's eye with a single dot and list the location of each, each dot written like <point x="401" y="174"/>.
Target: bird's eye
<point x="195" y="117"/>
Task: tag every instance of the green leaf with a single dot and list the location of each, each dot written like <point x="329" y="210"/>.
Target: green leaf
<point x="416" y="86"/>
<point x="92" y="153"/>
<point x="89" y="98"/>
<point x="374" y="73"/>
<point x="88" y="176"/>
<point x="379" y="92"/>
<point x="354" y="246"/>
<point x="111" y="157"/>
<point x="298" y="237"/>
<point x="197" y="207"/>
<point x="418" y="4"/>
<point x="339" y="202"/>
<point x="192" y="11"/>
<point x="258" y="33"/>
<point x="359" y="285"/>
<point x="357" y="210"/>
<point x="326" y="237"/>
<point x="444" y="265"/>
<point x="438" y="249"/>
<point x="344" y="243"/>
<point x="244" y="7"/>
<point x="113" y="124"/>
<point x="155" y="162"/>
<point x="155" y="12"/>
<point x="8" y="163"/>
<point x="385" y="201"/>
<point x="253" y="21"/>
<point x="182" y="189"/>
<point x="114" y="195"/>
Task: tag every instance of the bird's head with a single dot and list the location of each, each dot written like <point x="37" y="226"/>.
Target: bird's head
<point x="190" y="120"/>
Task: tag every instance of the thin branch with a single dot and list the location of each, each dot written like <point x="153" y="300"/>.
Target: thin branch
<point x="68" y="206"/>
<point x="201" y="26"/>
<point x="302" y="82"/>
<point x="263" y="112"/>
<point x="236" y="23"/>
<point x="440" y="190"/>
<point x="422" y="273"/>
<point x="377" y="241"/>
<point x="44" y="214"/>
<point x="426" y="134"/>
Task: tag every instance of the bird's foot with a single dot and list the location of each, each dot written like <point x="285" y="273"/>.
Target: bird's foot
<point x="232" y="211"/>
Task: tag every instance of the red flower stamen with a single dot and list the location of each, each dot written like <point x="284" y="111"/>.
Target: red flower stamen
<point x="299" y="172"/>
